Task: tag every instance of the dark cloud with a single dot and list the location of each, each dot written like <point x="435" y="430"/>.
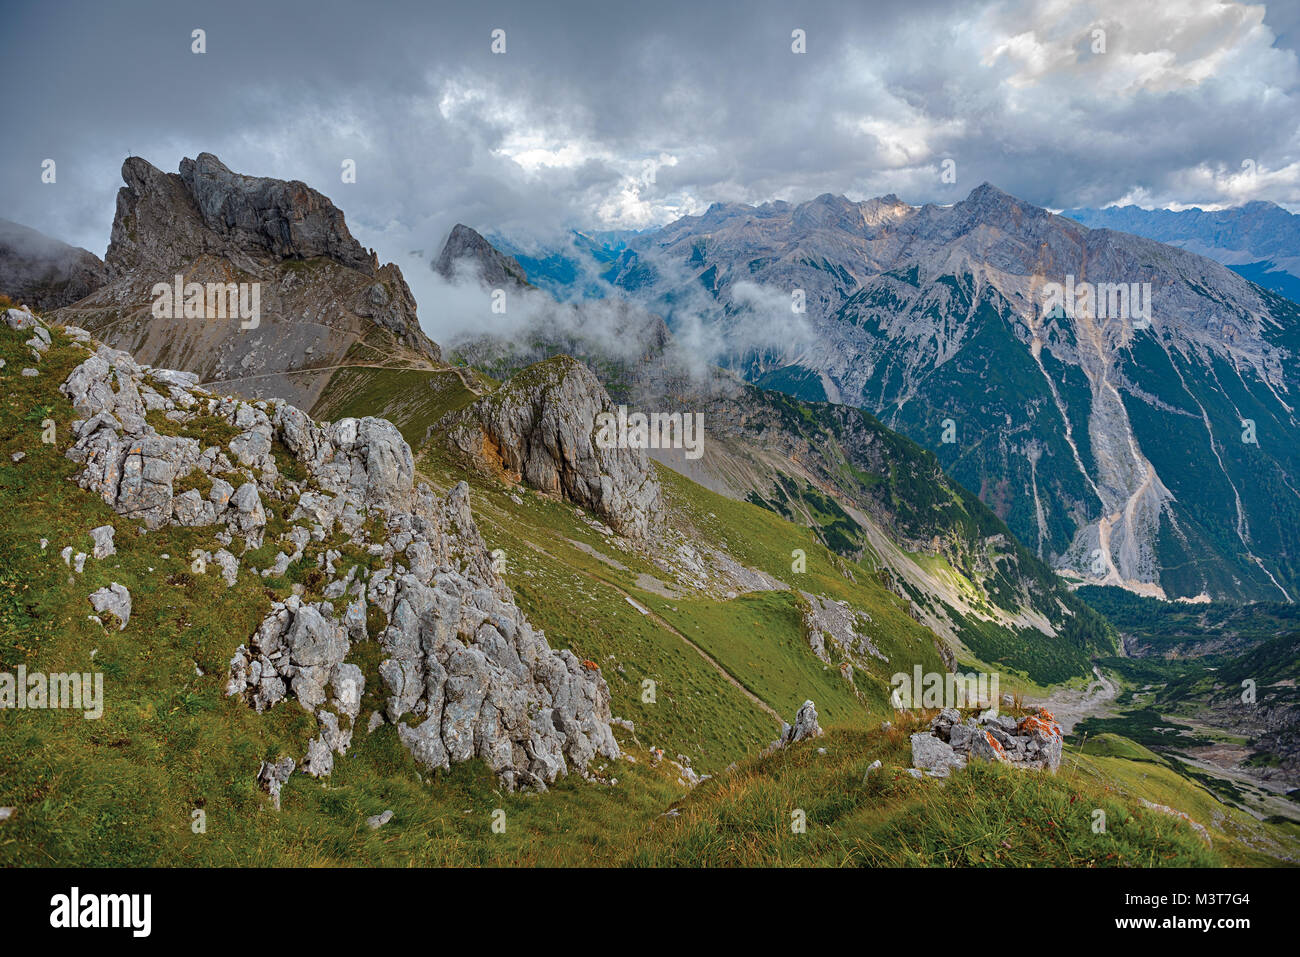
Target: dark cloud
<point x="630" y="114"/>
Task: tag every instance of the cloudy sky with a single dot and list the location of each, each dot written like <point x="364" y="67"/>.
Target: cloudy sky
<point x="614" y="114"/>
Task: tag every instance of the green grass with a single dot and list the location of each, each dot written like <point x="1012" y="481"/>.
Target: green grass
<point x="983" y="816"/>
<point x="759" y="639"/>
<point x="122" y="790"/>
<point x="412" y="399"/>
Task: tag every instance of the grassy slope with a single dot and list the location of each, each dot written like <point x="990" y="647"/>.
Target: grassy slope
<point x="410" y="398"/>
<point x="122" y="789"/>
<point x="983" y="816"/>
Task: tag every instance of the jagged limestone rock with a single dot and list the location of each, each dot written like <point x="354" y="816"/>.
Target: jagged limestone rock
<point x="1034" y="741"/>
<point x="540" y="428"/>
<point x="934" y="756"/>
<point x="115" y="599"/>
<point x="467" y="253"/>
<point x="271" y="777"/>
<point x="805" y="726"/>
<point x="103" y="538"/>
<point x="318" y="290"/>
<point x="459" y="654"/>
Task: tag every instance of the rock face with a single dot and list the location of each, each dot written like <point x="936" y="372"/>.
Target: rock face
<point x="466" y="252"/>
<point x="462" y="665"/>
<point x="540" y="428"/>
<point x="826" y="620"/>
<point x="1034" y="741"/>
<point x="43" y="272"/>
<point x="319" y="291"/>
<point x="1121" y="430"/>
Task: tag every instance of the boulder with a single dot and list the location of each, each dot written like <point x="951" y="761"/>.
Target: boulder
<point x="103" y="539"/>
<point x="933" y="755"/>
<point x="114" y="599"/>
<point x="805" y="726"/>
<point x="273" y="776"/>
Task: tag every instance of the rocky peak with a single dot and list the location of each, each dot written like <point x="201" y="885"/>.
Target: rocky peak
<point x="317" y="291"/>
<point x="466" y="251"/>
<point x="988" y="205"/>
<point x="539" y="428"/>
<point x="828" y="211"/>
<point x="43" y="272"/>
<point x="167" y="218"/>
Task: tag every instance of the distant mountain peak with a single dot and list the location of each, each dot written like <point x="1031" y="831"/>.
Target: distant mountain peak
<point x="494" y="267"/>
<point x="43" y="272"/>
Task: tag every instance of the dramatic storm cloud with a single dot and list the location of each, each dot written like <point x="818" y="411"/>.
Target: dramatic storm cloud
<point x="613" y="115"/>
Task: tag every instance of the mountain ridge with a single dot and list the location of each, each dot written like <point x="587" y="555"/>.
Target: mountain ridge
<point x="904" y="301"/>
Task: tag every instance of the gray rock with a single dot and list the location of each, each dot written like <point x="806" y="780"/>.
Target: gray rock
<point x="246" y="516"/>
<point x="20" y="320"/>
<point x="377" y="821"/>
<point x="348" y="684"/>
<point x="805" y="726"/>
<point x="986" y="747"/>
<point x="466" y="254"/>
<point x="229" y="566"/>
<point x="960" y="736"/>
<point x="272" y="777"/>
<point x="191" y="509"/>
<point x="929" y="753"/>
<point x="103" y="538"/>
<point x="114" y="599"/>
<point x="539" y="428"/>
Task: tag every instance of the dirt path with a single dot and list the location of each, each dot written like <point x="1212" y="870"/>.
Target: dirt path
<point x="1071" y="705"/>
<point x="663" y="623"/>
<point x="306" y="369"/>
<point x="667" y="626"/>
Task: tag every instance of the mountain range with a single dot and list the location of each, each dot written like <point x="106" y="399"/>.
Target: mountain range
<point x="319" y="545"/>
<point x="1258" y="240"/>
<point x="1157" y="453"/>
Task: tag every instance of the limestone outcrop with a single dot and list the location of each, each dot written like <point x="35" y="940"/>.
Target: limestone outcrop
<point x="540" y="428"/>
<point x="465" y="674"/>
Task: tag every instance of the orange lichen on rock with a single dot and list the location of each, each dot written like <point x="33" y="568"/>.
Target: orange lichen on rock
<point x="1043" y="722"/>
